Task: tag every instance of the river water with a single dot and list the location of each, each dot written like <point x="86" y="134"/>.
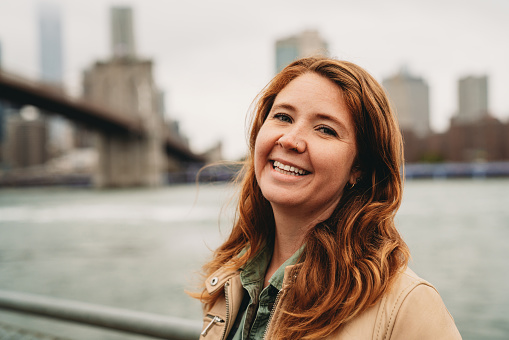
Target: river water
<point x="141" y="249"/>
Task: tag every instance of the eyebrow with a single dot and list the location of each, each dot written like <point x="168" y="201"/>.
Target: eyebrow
<point x="284" y="106"/>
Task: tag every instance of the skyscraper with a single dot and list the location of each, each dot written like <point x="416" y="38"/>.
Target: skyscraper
<point x="122" y="36"/>
<point x="50" y="44"/>
<point x="472" y="98"/>
<point x="409" y="97"/>
<point x="305" y="44"/>
<point x="60" y="131"/>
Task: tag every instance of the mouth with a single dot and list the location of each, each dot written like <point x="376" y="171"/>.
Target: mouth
<point x="288" y="169"/>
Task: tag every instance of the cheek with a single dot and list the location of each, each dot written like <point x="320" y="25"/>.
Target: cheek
<point x="261" y="151"/>
<point x="337" y="164"/>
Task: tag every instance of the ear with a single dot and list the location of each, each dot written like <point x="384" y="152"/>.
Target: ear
<point x="355" y="175"/>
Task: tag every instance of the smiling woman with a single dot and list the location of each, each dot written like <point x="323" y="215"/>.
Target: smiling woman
<point x="309" y="129"/>
<point x="314" y="252"/>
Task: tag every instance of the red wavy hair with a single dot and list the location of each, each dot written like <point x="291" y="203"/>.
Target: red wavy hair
<point x="350" y="259"/>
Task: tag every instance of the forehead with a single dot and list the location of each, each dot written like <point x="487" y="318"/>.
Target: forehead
<point x="314" y="93"/>
<point x="312" y="86"/>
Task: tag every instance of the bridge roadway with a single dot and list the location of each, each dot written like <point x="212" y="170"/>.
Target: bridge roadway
<point x="21" y="91"/>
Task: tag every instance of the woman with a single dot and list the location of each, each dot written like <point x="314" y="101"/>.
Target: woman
<point x="314" y="252"/>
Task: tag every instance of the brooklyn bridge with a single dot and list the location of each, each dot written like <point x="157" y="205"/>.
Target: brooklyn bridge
<point x="133" y="142"/>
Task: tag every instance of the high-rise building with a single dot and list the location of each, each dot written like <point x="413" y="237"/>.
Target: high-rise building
<point x="50" y="44"/>
<point x="472" y="99"/>
<point x="26" y="142"/>
<point x="122" y="33"/>
<point x="305" y="44"/>
<point x="60" y="130"/>
<point x="409" y="97"/>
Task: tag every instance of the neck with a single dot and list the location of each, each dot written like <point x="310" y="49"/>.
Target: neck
<point x="289" y="236"/>
<point x="292" y="226"/>
<point x="293" y="223"/>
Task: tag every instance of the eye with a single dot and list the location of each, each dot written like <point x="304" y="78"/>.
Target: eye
<point x="283" y="117"/>
<point x="327" y="130"/>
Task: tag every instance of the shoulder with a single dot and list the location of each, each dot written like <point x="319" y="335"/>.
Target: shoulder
<point x="413" y="309"/>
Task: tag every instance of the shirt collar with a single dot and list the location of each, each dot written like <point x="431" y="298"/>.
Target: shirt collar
<point x="277" y="278"/>
<point x="254" y="270"/>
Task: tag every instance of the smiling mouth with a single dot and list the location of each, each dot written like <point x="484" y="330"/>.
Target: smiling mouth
<point x="288" y="169"/>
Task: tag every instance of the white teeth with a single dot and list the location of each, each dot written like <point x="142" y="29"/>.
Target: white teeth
<point x="287" y="169"/>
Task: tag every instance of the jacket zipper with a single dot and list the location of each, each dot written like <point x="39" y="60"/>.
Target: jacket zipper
<point x="272" y="313"/>
<point x="213" y="321"/>
<point x="226" y="285"/>
<point x="217" y="319"/>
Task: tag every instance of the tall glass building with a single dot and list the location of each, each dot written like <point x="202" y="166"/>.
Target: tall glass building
<point x="304" y="44"/>
<point x="122" y="36"/>
<point x="50" y="44"/>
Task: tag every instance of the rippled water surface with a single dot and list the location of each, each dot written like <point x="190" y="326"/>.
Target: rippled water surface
<point x="140" y="249"/>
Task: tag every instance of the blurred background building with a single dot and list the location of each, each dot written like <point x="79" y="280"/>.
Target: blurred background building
<point x="472" y="99"/>
<point x="474" y="135"/>
<point x="304" y="44"/>
<point x="26" y="145"/>
<point x="50" y="43"/>
<point x="122" y="32"/>
<point x="51" y="64"/>
<point x="409" y="97"/>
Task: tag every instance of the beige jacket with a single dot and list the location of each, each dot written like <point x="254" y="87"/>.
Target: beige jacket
<point x="412" y="309"/>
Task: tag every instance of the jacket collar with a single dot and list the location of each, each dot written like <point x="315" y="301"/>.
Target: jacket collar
<point x="217" y="280"/>
<point x="219" y="277"/>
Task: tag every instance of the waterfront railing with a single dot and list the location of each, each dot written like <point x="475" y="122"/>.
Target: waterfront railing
<point x="140" y="323"/>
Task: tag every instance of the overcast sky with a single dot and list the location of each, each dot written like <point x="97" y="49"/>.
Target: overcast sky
<point x="212" y="57"/>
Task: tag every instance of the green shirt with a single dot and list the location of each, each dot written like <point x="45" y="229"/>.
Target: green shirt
<point x="257" y="305"/>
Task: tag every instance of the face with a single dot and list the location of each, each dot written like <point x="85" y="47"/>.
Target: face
<point x="305" y="149"/>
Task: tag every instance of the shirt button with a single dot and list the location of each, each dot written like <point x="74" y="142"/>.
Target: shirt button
<point x="214" y="281"/>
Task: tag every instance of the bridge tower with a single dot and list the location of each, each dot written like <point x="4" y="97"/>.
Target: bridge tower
<point x="126" y="84"/>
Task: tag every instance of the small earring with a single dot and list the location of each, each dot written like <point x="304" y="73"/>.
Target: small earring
<point x="357" y="180"/>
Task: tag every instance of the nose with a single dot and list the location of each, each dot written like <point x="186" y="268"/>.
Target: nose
<point x="292" y="141"/>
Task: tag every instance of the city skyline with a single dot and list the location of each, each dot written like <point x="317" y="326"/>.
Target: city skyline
<point x="213" y="59"/>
